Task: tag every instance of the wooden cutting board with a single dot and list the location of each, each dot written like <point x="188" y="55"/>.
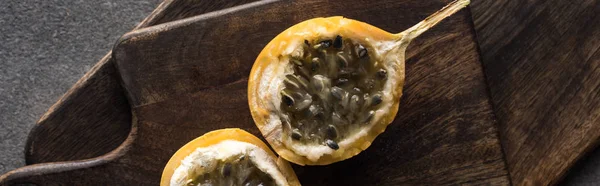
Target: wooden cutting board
<point x="542" y="62"/>
<point x="189" y="77"/>
<point x="94" y="117"/>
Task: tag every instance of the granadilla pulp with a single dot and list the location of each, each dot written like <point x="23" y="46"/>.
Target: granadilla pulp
<point x="322" y="90"/>
<point x="227" y="157"/>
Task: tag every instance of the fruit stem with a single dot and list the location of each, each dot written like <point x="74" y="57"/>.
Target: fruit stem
<point x="433" y="19"/>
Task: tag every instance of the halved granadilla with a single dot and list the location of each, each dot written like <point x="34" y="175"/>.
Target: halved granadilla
<point x="322" y="90"/>
<point x="227" y="157"/>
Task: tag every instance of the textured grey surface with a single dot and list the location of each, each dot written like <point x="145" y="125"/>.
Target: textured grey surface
<point x="47" y="45"/>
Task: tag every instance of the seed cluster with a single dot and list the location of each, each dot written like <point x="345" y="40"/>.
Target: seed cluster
<point x="333" y="90"/>
<point x="238" y="171"/>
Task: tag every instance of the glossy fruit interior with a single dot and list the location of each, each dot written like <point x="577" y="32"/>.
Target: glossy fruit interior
<point x="299" y="106"/>
<point x="235" y="170"/>
<point x="215" y="137"/>
<point x="341" y="82"/>
<point x="333" y="91"/>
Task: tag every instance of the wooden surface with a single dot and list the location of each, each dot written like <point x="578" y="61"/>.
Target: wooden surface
<point x="190" y="77"/>
<point x="517" y="41"/>
<point x="444" y="133"/>
<point x="94" y="117"/>
<point x="542" y="63"/>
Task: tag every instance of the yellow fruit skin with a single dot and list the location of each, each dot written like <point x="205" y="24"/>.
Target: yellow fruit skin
<point x="217" y="136"/>
<point x="261" y="106"/>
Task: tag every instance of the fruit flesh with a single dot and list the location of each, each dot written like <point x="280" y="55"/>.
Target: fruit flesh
<point x="273" y="64"/>
<point x="238" y="172"/>
<point x="219" y="136"/>
<point x="276" y="106"/>
<point x="333" y="90"/>
<point x="228" y="163"/>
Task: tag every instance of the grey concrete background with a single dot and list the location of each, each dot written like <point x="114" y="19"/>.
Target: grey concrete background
<point x="47" y="45"/>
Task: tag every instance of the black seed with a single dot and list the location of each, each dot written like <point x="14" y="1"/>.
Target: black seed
<point x="381" y="74"/>
<point x="369" y="116"/>
<point x="332" y="144"/>
<point x="315" y="64"/>
<point x="226" y="171"/>
<point x="331" y="132"/>
<point x="376" y="100"/>
<point x="344" y="103"/>
<point x="342" y="81"/>
<point x="354" y="102"/>
<point x="326" y="43"/>
<point x="290" y="82"/>
<point x="311" y="111"/>
<point x="295" y="81"/>
<point x="304" y="103"/>
<point x="318" y="86"/>
<point x="296" y="134"/>
<point x="342" y="63"/>
<point x="286" y="123"/>
<point x="337" y="119"/>
<point x="303" y="72"/>
<point x="296" y="61"/>
<point x="319" y="83"/>
<point x="306" y="42"/>
<point x="320" y="115"/>
<point x="337" y="43"/>
<point x="288" y="100"/>
<point x="361" y="51"/>
<point x="314" y="67"/>
<point x="342" y="59"/>
<point x="337" y="92"/>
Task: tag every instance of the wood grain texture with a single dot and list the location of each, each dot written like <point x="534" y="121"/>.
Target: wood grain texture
<point x="94" y="117"/>
<point x="444" y="133"/>
<point x="70" y="129"/>
<point x="543" y="68"/>
<point x="516" y="39"/>
<point x="190" y="77"/>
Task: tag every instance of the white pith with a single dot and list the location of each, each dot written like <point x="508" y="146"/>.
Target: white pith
<point x="205" y="159"/>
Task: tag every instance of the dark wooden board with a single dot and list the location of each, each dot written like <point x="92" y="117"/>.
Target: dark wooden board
<point x="189" y="77"/>
<point x="444" y="134"/>
<point x="94" y="117"/>
<point x="542" y="63"/>
<point x="57" y="131"/>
